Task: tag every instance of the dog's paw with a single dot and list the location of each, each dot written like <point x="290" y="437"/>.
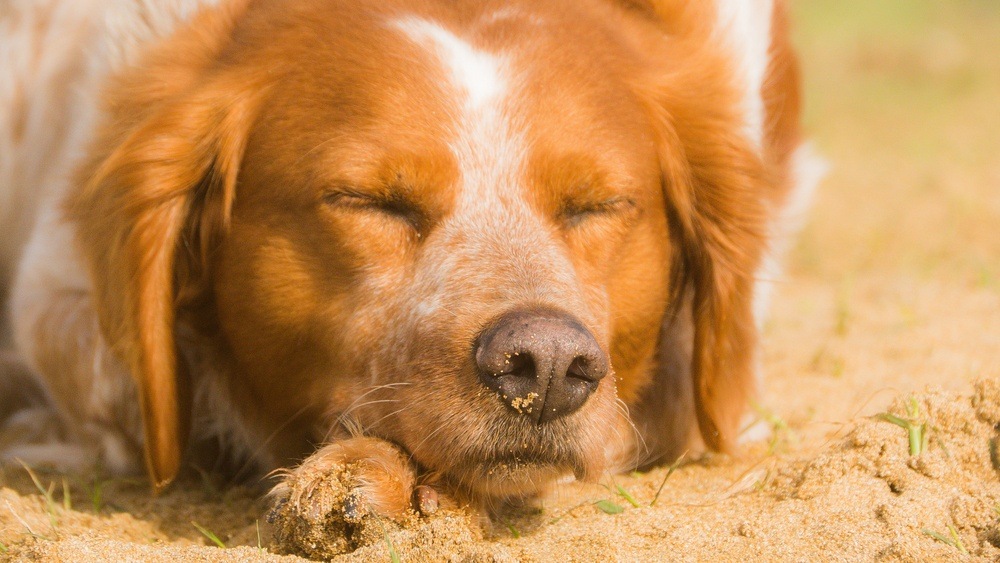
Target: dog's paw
<point x="343" y="493"/>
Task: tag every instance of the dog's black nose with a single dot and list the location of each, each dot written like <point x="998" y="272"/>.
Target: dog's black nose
<point x="542" y="363"/>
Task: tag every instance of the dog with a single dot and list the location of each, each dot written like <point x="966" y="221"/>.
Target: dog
<point x="472" y="246"/>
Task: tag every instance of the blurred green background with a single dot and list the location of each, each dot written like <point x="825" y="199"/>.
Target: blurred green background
<point x="903" y="99"/>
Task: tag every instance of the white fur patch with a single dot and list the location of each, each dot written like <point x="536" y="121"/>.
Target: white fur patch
<point x="129" y="25"/>
<point x="509" y="13"/>
<point x="489" y="153"/>
<point x="807" y="169"/>
<point x="476" y="72"/>
<point x="744" y="26"/>
<point x="57" y="56"/>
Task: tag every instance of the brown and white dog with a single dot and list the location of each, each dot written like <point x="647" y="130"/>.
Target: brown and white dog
<point x="478" y="245"/>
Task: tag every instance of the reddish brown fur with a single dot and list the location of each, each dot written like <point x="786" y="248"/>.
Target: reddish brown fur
<point x="212" y="215"/>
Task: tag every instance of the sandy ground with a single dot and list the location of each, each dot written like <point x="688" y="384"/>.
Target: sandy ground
<point x="891" y="305"/>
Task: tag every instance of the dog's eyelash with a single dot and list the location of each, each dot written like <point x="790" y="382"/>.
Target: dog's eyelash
<point x="392" y="206"/>
<point x="573" y="212"/>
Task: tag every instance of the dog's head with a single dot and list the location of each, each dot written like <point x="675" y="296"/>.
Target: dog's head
<point x="458" y="228"/>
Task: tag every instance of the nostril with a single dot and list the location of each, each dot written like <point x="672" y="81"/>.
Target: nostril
<point x="589" y="368"/>
<point x="578" y="369"/>
<point x="510" y="374"/>
<point x="518" y="364"/>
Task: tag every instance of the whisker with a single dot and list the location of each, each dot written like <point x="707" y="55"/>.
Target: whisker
<point x="393" y="413"/>
<point x="312" y="150"/>
<point x="449" y="311"/>
<point x="422" y="442"/>
<point x="640" y="439"/>
<point x="373" y="390"/>
<point x="350" y="423"/>
<point x="348" y="412"/>
<point x="342" y="417"/>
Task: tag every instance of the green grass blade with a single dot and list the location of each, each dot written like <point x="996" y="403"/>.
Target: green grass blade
<point x="208" y="534"/>
<point x="937" y="536"/>
<point x="958" y="541"/>
<point x="96" y="500"/>
<point x="393" y="556"/>
<point x="567" y="511"/>
<point x="608" y="507"/>
<point x="953" y="541"/>
<point x="889" y="417"/>
<point x="916" y="433"/>
<point x="67" y="498"/>
<point x="670" y="471"/>
<point x="994" y="447"/>
<point x="46" y="493"/>
<point x="626" y="495"/>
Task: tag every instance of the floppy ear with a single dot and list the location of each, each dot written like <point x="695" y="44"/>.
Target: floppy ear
<point x="718" y="239"/>
<point x="715" y="184"/>
<point x="154" y="195"/>
<point x="169" y="182"/>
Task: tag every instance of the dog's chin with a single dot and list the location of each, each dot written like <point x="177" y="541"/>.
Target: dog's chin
<point x="521" y="472"/>
<point x="510" y="478"/>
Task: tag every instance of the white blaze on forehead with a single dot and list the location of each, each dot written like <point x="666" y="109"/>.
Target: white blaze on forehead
<point x="476" y="72"/>
<point x="744" y="26"/>
<point x="489" y="153"/>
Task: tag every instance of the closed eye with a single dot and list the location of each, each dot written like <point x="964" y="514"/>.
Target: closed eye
<point x="573" y="213"/>
<point x="390" y="205"/>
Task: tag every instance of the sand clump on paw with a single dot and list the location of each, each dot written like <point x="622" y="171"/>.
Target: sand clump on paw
<point x="308" y="519"/>
<point x="319" y="515"/>
<point x="328" y="533"/>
